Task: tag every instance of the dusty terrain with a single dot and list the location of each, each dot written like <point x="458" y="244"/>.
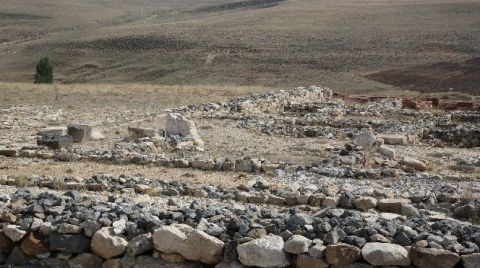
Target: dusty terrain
<point x="178" y="134"/>
<point x="254" y="42"/>
<point x="303" y="176"/>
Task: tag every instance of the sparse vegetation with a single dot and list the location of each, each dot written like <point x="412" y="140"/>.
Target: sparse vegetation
<point x="22" y="181"/>
<point x="468" y="196"/>
<point x="44" y="74"/>
<point x="464" y="168"/>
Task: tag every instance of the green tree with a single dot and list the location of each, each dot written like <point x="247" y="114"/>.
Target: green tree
<point x="44" y="73"/>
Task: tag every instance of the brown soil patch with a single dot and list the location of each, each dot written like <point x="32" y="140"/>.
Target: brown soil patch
<point x="438" y="77"/>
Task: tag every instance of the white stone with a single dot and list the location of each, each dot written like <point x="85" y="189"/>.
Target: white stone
<point x="385" y="254"/>
<point x="14" y="233"/>
<point x="106" y="244"/>
<point x="414" y="163"/>
<point x="297" y="244"/>
<point x="394" y="139"/>
<point x="119" y="226"/>
<point x="192" y="244"/>
<point x="177" y="124"/>
<point x="264" y="252"/>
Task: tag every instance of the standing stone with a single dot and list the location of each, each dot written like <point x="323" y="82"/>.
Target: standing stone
<point x="297" y="244"/>
<point x="106" y="244"/>
<point x="341" y="254"/>
<point x="383" y="254"/>
<point x="56" y="142"/>
<point x="177" y="124"/>
<point x="79" y="132"/>
<point x="433" y="258"/>
<point x="264" y="252"/>
<point x="86" y="260"/>
<point x="53" y="131"/>
<point x="305" y="261"/>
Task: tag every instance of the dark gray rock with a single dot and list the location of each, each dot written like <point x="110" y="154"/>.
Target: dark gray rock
<point x="71" y="243"/>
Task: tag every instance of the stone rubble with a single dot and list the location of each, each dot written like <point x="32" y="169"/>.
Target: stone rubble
<point x="369" y="199"/>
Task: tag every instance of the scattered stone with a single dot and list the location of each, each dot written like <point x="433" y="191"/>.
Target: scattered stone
<point x="414" y="163"/>
<point x="365" y="139"/>
<point x="394" y="139"/>
<point x="137" y="133"/>
<point x="387" y="151"/>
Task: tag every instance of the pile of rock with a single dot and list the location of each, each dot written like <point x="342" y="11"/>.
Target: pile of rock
<point x="71" y="229"/>
<point x="277" y="100"/>
<point x="460" y="135"/>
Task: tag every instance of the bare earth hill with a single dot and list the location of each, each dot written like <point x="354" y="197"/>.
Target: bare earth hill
<point x="252" y="42"/>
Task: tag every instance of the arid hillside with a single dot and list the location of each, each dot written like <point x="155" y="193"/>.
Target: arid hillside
<point x="278" y="43"/>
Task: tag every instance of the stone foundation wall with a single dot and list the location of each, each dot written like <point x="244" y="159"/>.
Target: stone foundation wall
<point x="181" y="246"/>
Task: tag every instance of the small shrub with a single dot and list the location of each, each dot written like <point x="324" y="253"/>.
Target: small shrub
<point x="44" y="73"/>
<point x="468" y="196"/>
<point x="22" y="181"/>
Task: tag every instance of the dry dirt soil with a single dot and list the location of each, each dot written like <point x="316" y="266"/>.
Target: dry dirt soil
<point x="275" y="43"/>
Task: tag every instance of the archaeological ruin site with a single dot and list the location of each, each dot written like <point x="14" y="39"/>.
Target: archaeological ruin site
<point x="302" y="177"/>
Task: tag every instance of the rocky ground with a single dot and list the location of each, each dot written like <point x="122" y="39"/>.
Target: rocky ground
<point x="291" y="178"/>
